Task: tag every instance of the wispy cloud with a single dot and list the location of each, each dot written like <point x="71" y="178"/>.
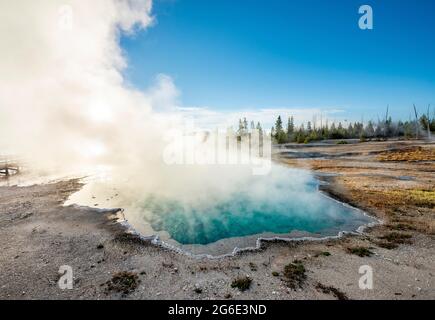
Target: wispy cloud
<point x="207" y="117"/>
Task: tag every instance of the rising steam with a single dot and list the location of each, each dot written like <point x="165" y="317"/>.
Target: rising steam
<point x="65" y="105"/>
<point x="63" y="99"/>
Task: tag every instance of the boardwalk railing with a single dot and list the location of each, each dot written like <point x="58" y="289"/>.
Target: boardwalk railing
<point x="9" y="166"/>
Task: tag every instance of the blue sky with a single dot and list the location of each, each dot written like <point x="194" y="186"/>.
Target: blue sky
<point x="235" y="55"/>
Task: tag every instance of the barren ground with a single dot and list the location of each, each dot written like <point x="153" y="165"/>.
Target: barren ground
<point x="38" y="235"/>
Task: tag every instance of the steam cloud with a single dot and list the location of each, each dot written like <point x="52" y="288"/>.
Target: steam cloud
<point x="63" y="99"/>
<point x="65" y="105"/>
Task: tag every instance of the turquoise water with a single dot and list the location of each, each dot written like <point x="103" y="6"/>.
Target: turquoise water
<point x="279" y="203"/>
<point x="280" y="207"/>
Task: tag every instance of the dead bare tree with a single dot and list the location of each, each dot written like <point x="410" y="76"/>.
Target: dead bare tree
<point x="416" y="122"/>
<point x="386" y="122"/>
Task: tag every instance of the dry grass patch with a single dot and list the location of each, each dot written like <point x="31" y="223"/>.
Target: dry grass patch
<point x="416" y="197"/>
<point x="397" y="238"/>
<point x="394" y="198"/>
<point x="401" y="227"/>
<point x="408" y="154"/>
<point x="386" y="245"/>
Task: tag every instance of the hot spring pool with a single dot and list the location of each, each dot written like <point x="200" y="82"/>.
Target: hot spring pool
<point x="285" y="204"/>
<point x="242" y="216"/>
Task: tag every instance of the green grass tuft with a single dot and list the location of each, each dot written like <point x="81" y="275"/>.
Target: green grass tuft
<point x="360" y="251"/>
<point x="242" y="283"/>
<point x="294" y="274"/>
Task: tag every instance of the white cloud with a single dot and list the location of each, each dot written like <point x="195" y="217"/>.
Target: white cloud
<point x="208" y="117"/>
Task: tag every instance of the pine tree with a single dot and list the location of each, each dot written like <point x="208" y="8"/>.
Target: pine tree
<point x="245" y="124"/>
<point x="278" y="124"/>
<point x="280" y="135"/>
<point x="259" y="128"/>
<point x="309" y="127"/>
<point x="370" y="130"/>
<point x="350" y="132"/>
<point x="290" y="126"/>
<point x="240" y="130"/>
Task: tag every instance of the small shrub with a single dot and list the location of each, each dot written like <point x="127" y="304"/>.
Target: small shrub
<point x="342" y="142"/>
<point x="397" y="237"/>
<point x="401" y="227"/>
<point x="124" y="282"/>
<point x="386" y="245"/>
<point x="198" y="290"/>
<point x="329" y="289"/>
<point x="241" y="283"/>
<point x="360" y="251"/>
<point x="130" y="238"/>
<point x="300" y="139"/>
<point x="297" y="261"/>
<point x="324" y="253"/>
<point x="252" y="266"/>
<point x="294" y="274"/>
<point x="275" y="273"/>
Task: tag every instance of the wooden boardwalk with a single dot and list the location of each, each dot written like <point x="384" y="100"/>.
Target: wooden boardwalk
<point x="8" y="166"/>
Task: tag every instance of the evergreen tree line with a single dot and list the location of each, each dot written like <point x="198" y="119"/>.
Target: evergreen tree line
<point x="245" y="129"/>
<point x="307" y="132"/>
